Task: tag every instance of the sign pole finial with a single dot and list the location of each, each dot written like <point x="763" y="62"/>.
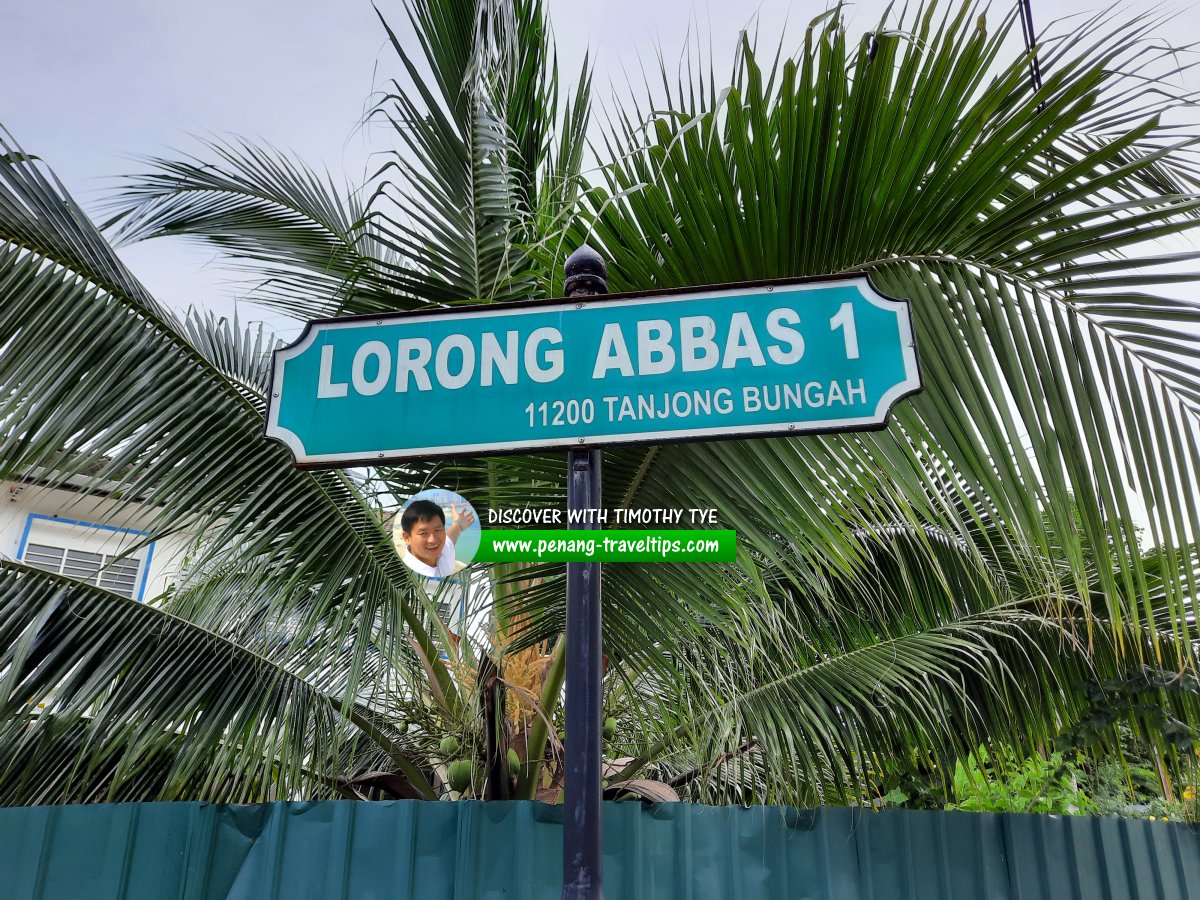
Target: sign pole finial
<point x="586" y="273"/>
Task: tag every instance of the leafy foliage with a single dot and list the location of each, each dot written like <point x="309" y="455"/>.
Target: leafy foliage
<point x="1035" y="785"/>
<point x="901" y="598"/>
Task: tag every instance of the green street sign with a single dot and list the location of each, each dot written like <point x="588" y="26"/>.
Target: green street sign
<point x="776" y="358"/>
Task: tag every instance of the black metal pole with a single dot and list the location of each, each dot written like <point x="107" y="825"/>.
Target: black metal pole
<point x="582" y="837"/>
<point x="1035" y="70"/>
<point x="582" y="824"/>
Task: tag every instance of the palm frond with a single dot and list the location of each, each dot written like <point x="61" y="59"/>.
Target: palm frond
<point x="141" y="704"/>
<point x="98" y="381"/>
<point x="473" y="124"/>
<point x="309" y="244"/>
<point x="968" y="195"/>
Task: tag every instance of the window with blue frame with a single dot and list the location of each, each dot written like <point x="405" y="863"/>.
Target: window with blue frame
<point x="116" y="559"/>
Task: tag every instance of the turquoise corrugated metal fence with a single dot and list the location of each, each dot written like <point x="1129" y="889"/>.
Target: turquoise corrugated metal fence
<point x="372" y="851"/>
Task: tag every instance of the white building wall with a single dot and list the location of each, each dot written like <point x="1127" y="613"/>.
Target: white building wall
<point x="33" y="513"/>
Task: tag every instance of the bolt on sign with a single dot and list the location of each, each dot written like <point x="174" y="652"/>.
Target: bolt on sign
<point x="697" y="364"/>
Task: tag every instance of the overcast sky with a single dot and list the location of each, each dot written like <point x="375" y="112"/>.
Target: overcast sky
<point x="92" y="86"/>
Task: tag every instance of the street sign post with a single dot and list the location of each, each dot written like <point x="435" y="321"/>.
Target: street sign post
<point x="585" y="275"/>
<point x="700" y="364"/>
<point x="590" y="371"/>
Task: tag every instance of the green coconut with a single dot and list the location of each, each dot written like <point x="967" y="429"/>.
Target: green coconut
<point x="610" y="728"/>
<point x="449" y="746"/>
<point x="514" y="762"/>
<point x="461" y="772"/>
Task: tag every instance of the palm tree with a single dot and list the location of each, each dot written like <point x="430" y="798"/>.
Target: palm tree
<point x="909" y="594"/>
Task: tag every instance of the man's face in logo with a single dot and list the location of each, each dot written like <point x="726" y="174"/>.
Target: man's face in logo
<point x="426" y="540"/>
